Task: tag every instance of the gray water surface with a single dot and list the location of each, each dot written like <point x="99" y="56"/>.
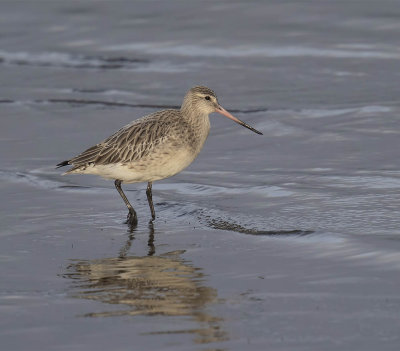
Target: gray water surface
<point x="286" y="241"/>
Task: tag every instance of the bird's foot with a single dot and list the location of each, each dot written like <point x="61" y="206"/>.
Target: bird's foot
<point x="131" y="219"/>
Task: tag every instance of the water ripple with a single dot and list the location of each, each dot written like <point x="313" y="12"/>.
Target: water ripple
<point x="237" y="189"/>
<point x="39" y="181"/>
<point x="56" y="59"/>
<point x="172" y="48"/>
<point x="225" y="225"/>
<point x="83" y="102"/>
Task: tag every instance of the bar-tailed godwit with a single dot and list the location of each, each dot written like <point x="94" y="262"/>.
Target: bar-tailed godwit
<point x="153" y="147"/>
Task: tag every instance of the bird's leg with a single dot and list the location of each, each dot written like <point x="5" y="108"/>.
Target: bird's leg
<point x="150" y="243"/>
<point x="132" y="217"/>
<point x="150" y="200"/>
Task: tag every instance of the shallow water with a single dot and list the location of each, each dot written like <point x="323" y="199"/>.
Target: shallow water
<point x="284" y="241"/>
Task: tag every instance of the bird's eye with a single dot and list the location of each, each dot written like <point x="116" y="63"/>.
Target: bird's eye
<point x="207" y="98"/>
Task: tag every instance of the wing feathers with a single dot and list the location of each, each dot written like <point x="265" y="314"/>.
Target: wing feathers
<point x="130" y="143"/>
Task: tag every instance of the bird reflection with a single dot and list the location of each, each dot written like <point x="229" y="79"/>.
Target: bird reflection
<point x="150" y="285"/>
<point x="131" y="230"/>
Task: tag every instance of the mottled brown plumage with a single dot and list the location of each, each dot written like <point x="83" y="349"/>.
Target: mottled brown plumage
<point x="133" y="141"/>
<point x="153" y="147"/>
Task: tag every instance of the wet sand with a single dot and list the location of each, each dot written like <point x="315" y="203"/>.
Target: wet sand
<point x="284" y="241"/>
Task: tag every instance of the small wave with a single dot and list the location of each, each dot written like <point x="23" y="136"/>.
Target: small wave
<point x="40" y="181"/>
<point x="363" y="110"/>
<point x="109" y="104"/>
<point x="208" y="190"/>
<point x="111" y="92"/>
<point x="367" y="182"/>
<point x="225" y="225"/>
<point x="218" y="219"/>
<point x="56" y="59"/>
<point x="174" y="49"/>
<point x="65" y="60"/>
<point x="83" y="102"/>
<point x="274" y="127"/>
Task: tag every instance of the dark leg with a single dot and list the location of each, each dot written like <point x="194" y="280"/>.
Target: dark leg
<point x="150" y="200"/>
<point x="132" y="217"/>
<point x="150" y="243"/>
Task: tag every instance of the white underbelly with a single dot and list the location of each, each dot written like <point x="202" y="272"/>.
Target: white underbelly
<point x="154" y="167"/>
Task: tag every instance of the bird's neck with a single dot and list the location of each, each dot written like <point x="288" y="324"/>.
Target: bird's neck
<point x="194" y="117"/>
<point x="199" y="124"/>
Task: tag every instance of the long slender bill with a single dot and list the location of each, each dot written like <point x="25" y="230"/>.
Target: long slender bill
<point x="224" y="112"/>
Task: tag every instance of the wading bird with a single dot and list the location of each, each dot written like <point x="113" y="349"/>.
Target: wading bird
<point x="153" y="147"/>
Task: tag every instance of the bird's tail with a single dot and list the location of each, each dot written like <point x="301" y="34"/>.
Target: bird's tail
<point x="63" y="163"/>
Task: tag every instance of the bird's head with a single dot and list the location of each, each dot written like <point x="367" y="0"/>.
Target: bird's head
<point x="201" y="100"/>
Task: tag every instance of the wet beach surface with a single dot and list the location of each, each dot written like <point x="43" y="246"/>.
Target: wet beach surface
<point x="290" y="240"/>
